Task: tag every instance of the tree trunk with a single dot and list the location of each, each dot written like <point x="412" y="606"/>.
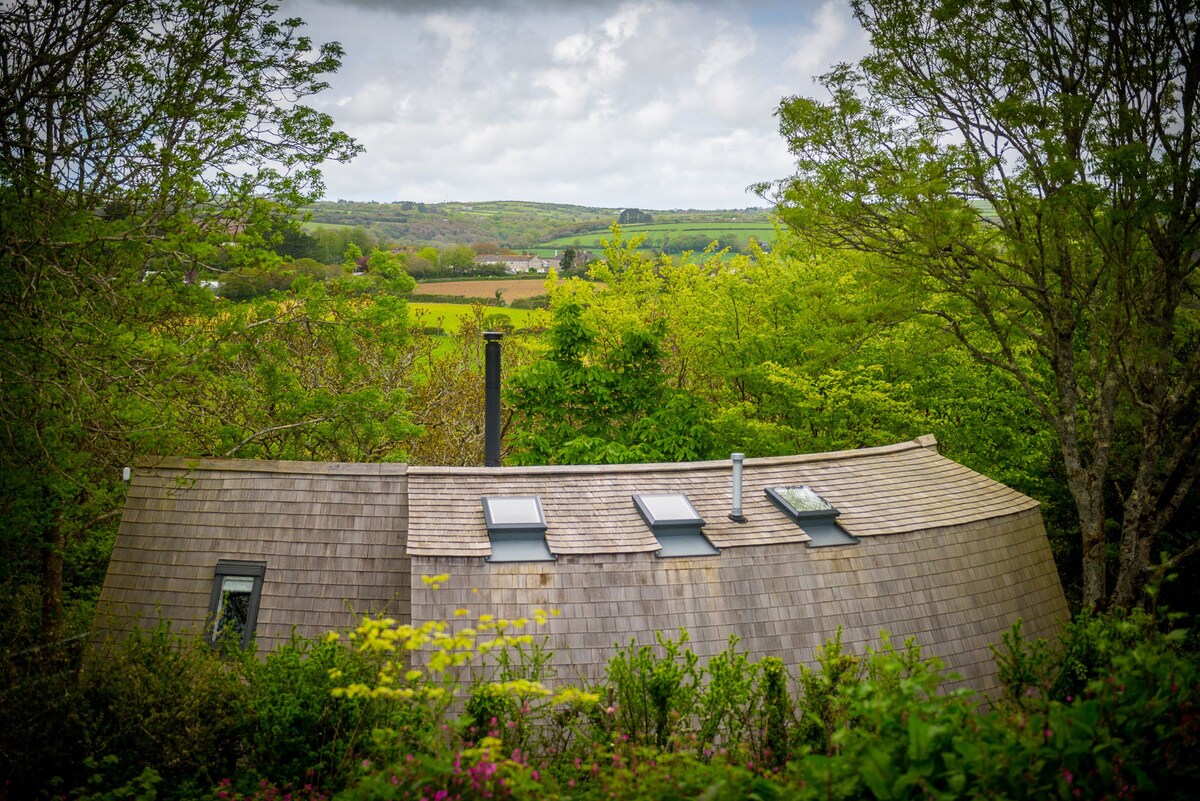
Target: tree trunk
<point x="52" y="585"/>
<point x="1137" y="543"/>
<point x="1095" y="568"/>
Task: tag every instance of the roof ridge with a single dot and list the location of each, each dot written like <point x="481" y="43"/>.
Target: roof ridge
<point x="399" y="468"/>
<point x="927" y="441"/>
<point x="188" y="463"/>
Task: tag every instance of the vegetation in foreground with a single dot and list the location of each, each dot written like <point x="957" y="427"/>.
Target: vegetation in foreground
<point x="470" y="709"/>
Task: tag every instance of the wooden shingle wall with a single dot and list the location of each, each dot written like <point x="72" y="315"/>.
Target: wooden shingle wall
<point x="955" y="589"/>
<point x="331" y="535"/>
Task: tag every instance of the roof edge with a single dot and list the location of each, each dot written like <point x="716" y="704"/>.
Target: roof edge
<point x="190" y="464"/>
<point x="927" y="441"/>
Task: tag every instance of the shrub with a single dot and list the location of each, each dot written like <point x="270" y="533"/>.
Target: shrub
<point x="653" y="696"/>
<point x="167" y="702"/>
<point x="300" y="731"/>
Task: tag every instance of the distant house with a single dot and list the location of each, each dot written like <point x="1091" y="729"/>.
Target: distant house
<point x="894" y="538"/>
<point x="514" y="264"/>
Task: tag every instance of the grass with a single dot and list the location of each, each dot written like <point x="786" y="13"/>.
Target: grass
<point x="654" y="232"/>
<point x="449" y="316"/>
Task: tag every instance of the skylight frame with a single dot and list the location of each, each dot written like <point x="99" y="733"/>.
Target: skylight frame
<point x="777" y="496"/>
<point x="820" y="525"/>
<point x="490" y="515"/>
<point x="522" y="540"/>
<point x="691" y="518"/>
<point x="679" y="534"/>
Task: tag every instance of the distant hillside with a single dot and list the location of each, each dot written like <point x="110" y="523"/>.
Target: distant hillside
<point x="520" y="225"/>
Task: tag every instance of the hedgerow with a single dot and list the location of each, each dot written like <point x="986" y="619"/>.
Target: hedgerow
<point x="472" y="707"/>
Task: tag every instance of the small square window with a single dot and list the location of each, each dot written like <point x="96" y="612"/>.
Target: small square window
<point x="516" y="528"/>
<point x="676" y="524"/>
<point x="814" y="514"/>
<point x="233" y="607"/>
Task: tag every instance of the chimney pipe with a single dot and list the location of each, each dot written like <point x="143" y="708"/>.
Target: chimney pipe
<point x="491" y="398"/>
<point x="736" y="515"/>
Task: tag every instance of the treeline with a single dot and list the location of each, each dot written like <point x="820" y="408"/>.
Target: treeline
<point x="328" y="252"/>
<point x="514" y="224"/>
<point x="517" y="225"/>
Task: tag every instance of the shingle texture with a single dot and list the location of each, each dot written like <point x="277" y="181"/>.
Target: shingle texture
<point x="945" y="555"/>
<point x="589" y="510"/>
<point x="332" y="536"/>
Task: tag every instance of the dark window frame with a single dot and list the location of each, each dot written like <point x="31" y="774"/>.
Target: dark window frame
<point x="235" y="568"/>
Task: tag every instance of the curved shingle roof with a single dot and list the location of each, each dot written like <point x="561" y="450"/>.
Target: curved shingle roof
<point x="892" y="489"/>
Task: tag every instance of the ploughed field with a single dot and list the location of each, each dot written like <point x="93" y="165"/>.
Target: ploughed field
<point x="514" y="288"/>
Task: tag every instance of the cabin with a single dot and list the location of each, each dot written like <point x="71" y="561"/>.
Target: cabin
<point x="780" y="551"/>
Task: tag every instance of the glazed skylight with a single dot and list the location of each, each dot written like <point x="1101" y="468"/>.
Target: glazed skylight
<point x="516" y="528"/>
<point x="676" y="524"/>
<point x="815" y="515"/>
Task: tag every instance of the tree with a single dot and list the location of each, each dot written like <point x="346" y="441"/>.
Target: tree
<point x="582" y="405"/>
<point x="458" y="258"/>
<point x="1035" y="165"/>
<point x="567" y="263"/>
<point x="634" y="217"/>
<point x="141" y="143"/>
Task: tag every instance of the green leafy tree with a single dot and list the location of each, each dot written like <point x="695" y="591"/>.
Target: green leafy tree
<point x="457" y="258"/>
<point x="141" y="142"/>
<point x="582" y="405"/>
<point x="634" y="217"/>
<point x="1034" y="165"/>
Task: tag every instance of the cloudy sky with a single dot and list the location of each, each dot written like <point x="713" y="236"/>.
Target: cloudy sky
<point x="655" y="104"/>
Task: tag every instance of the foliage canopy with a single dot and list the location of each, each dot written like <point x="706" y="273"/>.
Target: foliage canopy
<point x="1034" y="165"/>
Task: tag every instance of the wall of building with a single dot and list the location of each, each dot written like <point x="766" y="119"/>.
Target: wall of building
<point x="331" y="535"/>
<point x="954" y="589"/>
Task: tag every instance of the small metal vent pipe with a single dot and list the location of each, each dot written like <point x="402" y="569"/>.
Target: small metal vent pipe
<point x="491" y="398"/>
<point x="736" y="515"/>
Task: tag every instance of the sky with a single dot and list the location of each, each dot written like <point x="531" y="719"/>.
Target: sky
<point x="653" y="104"/>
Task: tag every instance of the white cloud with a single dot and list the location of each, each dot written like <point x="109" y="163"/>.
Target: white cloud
<point x="653" y="103"/>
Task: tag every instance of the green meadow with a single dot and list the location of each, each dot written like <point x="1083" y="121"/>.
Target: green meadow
<point x="449" y="316"/>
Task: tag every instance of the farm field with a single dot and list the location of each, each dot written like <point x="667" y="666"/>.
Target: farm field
<point x="449" y="316"/>
<point x="514" y="289"/>
<point x="660" y="235"/>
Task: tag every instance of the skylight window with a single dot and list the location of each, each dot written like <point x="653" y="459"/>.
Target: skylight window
<point x="676" y="524"/>
<point x="517" y="528"/>
<point x="814" y="514"/>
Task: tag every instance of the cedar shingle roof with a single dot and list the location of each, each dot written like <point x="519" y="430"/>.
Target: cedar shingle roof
<point x="945" y="554"/>
<point x="332" y="535"/>
<point x="887" y="490"/>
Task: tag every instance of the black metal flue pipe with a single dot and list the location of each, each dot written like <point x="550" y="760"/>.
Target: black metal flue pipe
<point x="491" y="398"/>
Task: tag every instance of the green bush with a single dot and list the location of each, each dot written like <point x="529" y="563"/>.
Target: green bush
<point x="1110" y="710"/>
<point x="160" y="700"/>
<point x="653" y="696"/>
<point x="300" y="732"/>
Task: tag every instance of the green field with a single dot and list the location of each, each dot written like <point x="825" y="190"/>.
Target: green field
<point x="449" y="316"/>
<point x="311" y="226"/>
<point x="659" y="236"/>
